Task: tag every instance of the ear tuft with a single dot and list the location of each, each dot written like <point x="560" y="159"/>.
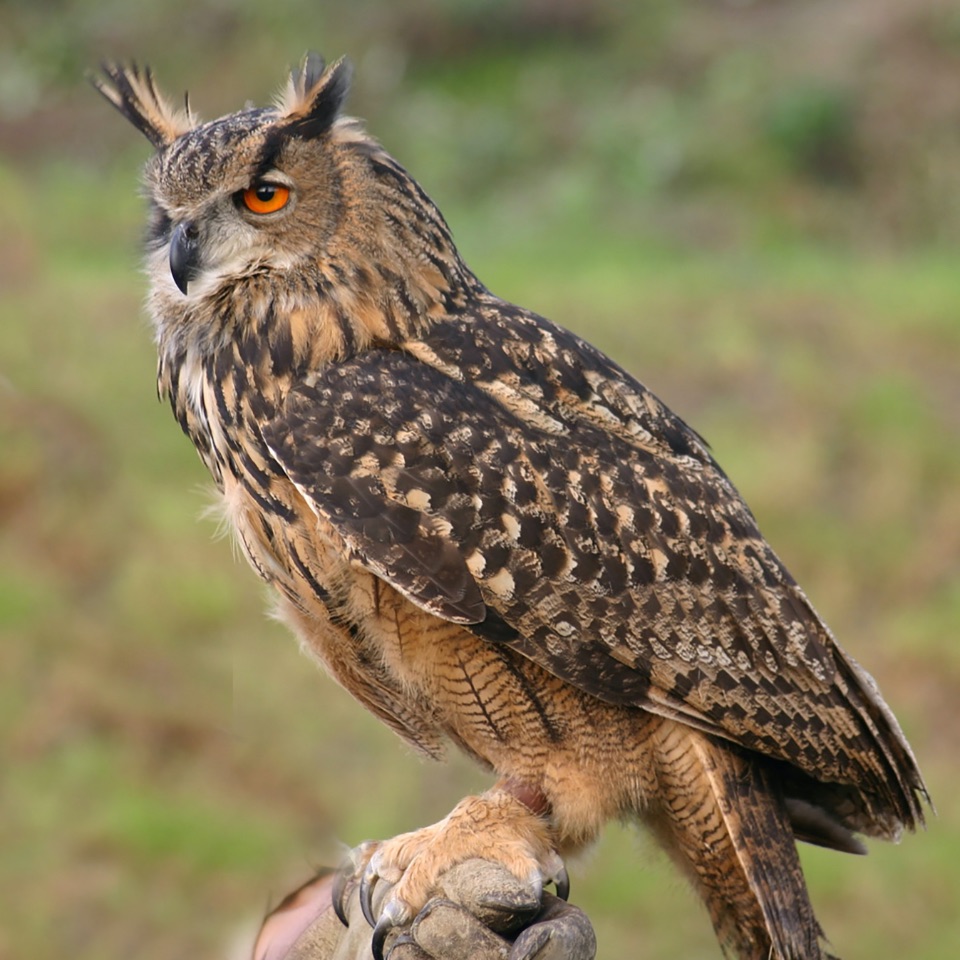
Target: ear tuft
<point x="133" y="92"/>
<point x="314" y="96"/>
<point x="310" y="72"/>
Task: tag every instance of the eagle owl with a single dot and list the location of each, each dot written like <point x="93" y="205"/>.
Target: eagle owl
<point x="492" y="535"/>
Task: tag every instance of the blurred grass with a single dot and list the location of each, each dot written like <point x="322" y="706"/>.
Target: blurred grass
<point x="761" y="231"/>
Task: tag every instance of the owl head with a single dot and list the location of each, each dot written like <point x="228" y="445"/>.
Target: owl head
<point x="292" y="198"/>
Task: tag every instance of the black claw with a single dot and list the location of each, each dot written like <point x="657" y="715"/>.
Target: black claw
<point x="383" y="927"/>
<point x="338" y="894"/>
<point x="562" y="883"/>
<point x="367" y="881"/>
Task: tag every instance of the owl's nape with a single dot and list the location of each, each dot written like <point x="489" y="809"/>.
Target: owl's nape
<point x="491" y="534"/>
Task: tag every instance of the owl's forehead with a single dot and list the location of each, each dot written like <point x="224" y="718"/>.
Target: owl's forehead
<point x="215" y="156"/>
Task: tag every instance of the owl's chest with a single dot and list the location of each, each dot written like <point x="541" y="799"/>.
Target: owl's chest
<point x="184" y="381"/>
<point x="217" y="405"/>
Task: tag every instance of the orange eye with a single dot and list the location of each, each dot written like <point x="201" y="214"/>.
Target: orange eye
<point x="266" y="198"/>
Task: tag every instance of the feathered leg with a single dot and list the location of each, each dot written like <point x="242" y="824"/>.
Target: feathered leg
<point x="726" y="825"/>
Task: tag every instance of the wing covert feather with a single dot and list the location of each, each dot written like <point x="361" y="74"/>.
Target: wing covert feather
<point x="519" y="482"/>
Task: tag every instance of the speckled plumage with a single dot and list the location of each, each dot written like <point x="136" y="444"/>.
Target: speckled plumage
<point x="490" y="533"/>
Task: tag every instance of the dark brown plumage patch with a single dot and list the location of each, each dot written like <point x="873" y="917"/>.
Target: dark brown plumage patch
<point x="503" y="478"/>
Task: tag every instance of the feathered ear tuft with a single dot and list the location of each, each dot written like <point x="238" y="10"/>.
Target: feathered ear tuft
<point x="135" y="95"/>
<point x="314" y="96"/>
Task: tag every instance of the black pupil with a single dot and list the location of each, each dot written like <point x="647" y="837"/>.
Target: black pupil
<point x="265" y="192"/>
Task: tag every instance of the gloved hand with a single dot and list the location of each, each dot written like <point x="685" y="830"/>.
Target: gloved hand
<point x="482" y="913"/>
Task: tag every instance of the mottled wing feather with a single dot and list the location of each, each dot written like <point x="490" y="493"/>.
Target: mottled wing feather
<point x="339" y="451"/>
<point x="504" y="474"/>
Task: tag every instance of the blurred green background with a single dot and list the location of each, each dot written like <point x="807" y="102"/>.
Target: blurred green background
<point x="754" y="206"/>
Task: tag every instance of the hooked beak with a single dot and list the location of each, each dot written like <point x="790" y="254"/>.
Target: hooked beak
<point x="184" y="254"/>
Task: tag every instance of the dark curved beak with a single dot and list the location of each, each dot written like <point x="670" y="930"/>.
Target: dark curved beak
<point x="184" y="254"/>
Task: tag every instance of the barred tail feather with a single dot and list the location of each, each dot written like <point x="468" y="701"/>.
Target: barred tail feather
<point x="727" y="826"/>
